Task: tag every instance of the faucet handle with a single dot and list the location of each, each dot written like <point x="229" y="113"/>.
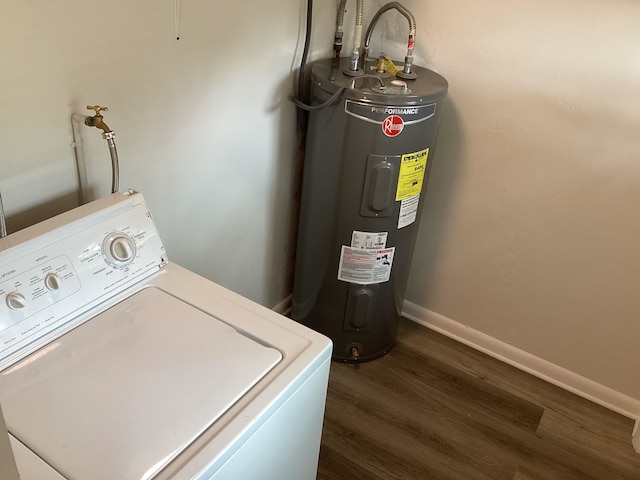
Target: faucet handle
<point x="97" y="108"/>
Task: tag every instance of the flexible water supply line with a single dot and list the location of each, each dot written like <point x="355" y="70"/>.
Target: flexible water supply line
<point x="408" y="59"/>
<point x="3" y="224"/>
<point x="337" y="41"/>
<point x="115" y="168"/>
<point x="109" y="136"/>
<point x="357" y="37"/>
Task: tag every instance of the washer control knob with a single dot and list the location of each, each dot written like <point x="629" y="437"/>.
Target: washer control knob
<point x="16" y="301"/>
<point x="119" y="249"/>
<point x="53" y="281"/>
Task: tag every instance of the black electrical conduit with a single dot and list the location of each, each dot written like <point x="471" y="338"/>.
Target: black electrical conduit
<point x="305" y="50"/>
<point x="298" y="100"/>
<point x="330" y="100"/>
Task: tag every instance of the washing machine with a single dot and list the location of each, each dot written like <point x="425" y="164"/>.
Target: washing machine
<point x="116" y="363"/>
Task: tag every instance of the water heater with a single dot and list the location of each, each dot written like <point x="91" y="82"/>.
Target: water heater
<point x="367" y="161"/>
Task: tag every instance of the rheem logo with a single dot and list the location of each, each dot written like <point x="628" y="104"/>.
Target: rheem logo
<point x="392" y="125"/>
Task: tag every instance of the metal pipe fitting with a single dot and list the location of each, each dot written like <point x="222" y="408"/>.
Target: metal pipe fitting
<point x="97" y="120"/>
<point x="337" y="41"/>
<point x="355" y="355"/>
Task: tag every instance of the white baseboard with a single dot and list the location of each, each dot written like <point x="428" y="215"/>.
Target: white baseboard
<point x="550" y="372"/>
<point x="554" y="374"/>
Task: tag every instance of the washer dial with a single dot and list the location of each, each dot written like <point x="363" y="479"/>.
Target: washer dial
<point x="53" y="282"/>
<point x="119" y="249"/>
<point x="16" y="301"/>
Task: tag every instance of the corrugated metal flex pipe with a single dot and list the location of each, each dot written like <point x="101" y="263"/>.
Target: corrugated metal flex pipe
<point x="3" y="224"/>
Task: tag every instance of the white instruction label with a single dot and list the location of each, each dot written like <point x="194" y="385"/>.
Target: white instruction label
<point x="365" y="266"/>
<point x="368" y="239"/>
<point x="408" y="211"/>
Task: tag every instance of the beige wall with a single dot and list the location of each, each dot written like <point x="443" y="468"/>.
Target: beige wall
<point x="204" y="125"/>
<point x="531" y="226"/>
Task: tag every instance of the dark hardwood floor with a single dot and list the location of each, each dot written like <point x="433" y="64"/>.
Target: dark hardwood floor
<point x="433" y="408"/>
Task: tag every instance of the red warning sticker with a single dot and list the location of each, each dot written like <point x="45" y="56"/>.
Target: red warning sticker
<point x="392" y="125"/>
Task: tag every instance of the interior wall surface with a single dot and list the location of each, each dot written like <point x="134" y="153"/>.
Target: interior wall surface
<point x="530" y="226"/>
<point x="205" y="128"/>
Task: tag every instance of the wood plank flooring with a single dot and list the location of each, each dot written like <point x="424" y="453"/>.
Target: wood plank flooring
<point x="433" y="408"/>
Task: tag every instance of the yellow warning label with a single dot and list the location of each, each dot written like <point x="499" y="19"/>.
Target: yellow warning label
<point x="412" y="168"/>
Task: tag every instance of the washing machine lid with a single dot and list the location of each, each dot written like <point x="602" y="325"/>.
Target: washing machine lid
<point x="124" y="393"/>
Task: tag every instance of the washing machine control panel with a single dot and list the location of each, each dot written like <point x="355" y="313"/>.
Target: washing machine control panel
<point x="55" y="272"/>
<point x="38" y="287"/>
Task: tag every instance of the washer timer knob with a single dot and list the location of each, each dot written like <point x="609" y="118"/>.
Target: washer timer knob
<point x="16" y="301"/>
<point x="53" y="282"/>
<point x="119" y="249"/>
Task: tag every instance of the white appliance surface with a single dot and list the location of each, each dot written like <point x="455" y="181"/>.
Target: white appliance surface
<point x="164" y="375"/>
<point x="149" y="371"/>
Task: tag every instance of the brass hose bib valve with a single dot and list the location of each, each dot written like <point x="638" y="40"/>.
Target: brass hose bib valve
<point x="96" y="120"/>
